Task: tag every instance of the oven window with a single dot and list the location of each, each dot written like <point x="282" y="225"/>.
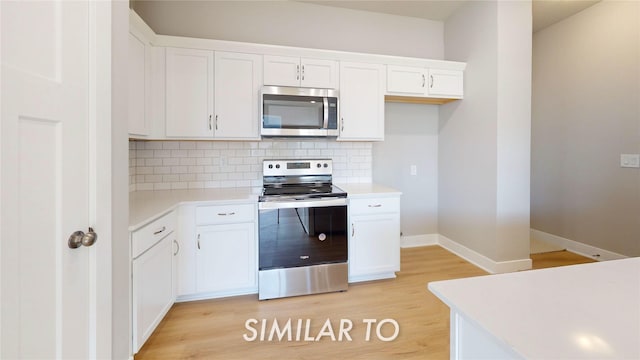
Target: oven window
<point x="302" y="236"/>
<point x="292" y="112"/>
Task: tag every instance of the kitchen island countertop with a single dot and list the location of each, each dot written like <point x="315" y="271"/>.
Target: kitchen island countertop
<point x="570" y="312"/>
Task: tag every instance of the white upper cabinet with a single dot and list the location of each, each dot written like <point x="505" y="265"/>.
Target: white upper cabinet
<point x="406" y="80"/>
<point x="237" y="87"/>
<point x="139" y="62"/>
<point x="445" y="83"/>
<point x="294" y="71"/>
<point x="189" y="93"/>
<point x="205" y="103"/>
<point x="321" y="74"/>
<point x="423" y="82"/>
<point x="362" y="88"/>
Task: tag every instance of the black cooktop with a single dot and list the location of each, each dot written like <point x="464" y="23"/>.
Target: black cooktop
<point x="303" y="190"/>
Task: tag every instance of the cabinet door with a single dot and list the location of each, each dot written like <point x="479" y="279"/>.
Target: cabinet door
<point x="321" y="74"/>
<point x="237" y="86"/>
<point x="406" y="80"/>
<point x="189" y="86"/>
<point x="281" y="70"/>
<point x="362" y="89"/>
<point x="374" y="246"/>
<point x="226" y="257"/>
<point x="445" y="83"/>
<point x="153" y="293"/>
<point x="139" y="85"/>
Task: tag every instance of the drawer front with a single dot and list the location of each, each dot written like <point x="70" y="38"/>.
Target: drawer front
<point x="144" y="238"/>
<point x="225" y="214"/>
<point x="374" y="205"/>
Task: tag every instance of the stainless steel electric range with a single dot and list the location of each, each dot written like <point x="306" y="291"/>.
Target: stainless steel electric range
<point x="303" y="230"/>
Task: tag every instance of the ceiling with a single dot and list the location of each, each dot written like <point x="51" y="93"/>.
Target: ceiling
<point x="545" y="12"/>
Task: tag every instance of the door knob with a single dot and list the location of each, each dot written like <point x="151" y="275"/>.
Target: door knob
<point x="79" y="238"/>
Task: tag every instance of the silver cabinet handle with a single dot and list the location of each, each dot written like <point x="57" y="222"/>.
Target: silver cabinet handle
<point x="297" y="72"/>
<point x="226" y="214"/>
<point x="177" y="247"/>
<point x="79" y="238"/>
<point x="353" y="230"/>
<point x="303" y="72"/>
<point x="423" y="80"/>
<point x="431" y="81"/>
<point x="375" y="206"/>
<point x="216" y="122"/>
<point x="342" y="124"/>
<point x="198" y="241"/>
<point x="210" y="126"/>
<point x="160" y="231"/>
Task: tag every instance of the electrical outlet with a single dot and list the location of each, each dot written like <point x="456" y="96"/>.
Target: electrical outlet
<point x="414" y="170"/>
<point x="630" y="160"/>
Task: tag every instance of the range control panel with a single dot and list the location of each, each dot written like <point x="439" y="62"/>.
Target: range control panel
<point x="295" y="167"/>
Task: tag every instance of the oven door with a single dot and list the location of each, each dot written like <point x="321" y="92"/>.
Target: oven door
<point x="302" y="233"/>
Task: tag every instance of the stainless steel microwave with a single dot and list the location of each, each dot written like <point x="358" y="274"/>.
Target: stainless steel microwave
<point x="292" y="111"/>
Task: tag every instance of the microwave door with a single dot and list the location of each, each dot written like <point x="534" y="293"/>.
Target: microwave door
<point x="285" y="115"/>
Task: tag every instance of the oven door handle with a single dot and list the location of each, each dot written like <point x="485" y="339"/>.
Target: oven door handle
<point x="318" y="202"/>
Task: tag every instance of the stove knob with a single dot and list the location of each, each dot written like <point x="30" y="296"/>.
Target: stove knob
<point x="325" y="165"/>
<point x="319" y="165"/>
<point x="277" y="166"/>
<point x="270" y="166"/>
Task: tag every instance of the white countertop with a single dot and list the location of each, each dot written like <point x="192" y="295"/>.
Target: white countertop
<point x="145" y="206"/>
<point x="580" y="311"/>
<point x="367" y="189"/>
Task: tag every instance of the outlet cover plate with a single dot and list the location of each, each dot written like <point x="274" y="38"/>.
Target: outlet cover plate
<point x="630" y="160"/>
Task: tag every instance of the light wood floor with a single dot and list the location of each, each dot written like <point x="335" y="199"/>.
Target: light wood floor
<point x="214" y="329"/>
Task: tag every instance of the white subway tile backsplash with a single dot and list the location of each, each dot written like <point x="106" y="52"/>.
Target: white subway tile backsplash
<point x="170" y="145"/>
<point x="162" y="165"/>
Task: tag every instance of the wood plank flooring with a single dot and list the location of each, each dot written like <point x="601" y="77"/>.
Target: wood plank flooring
<point x="214" y="329"/>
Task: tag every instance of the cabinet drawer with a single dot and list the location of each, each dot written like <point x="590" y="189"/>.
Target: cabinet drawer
<point x="225" y="214"/>
<point x="145" y="237"/>
<point x="374" y="205"/>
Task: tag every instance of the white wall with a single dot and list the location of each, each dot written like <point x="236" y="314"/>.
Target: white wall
<point x="293" y="23"/>
<point x="586" y="112"/>
<point x="411" y="138"/>
<point x="484" y="150"/>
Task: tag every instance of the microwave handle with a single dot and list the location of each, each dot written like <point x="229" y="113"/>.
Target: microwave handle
<point x="325" y="103"/>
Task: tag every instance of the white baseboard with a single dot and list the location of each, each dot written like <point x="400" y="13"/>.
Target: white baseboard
<point x="481" y="261"/>
<point x="418" y="240"/>
<point x="577" y="247"/>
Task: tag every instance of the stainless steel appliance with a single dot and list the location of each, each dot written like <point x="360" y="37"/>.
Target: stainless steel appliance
<point x="303" y="230"/>
<point x="291" y="111"/>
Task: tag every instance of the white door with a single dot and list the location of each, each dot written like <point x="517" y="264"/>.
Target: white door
<point x="362" y="89"/>
<point x="226" y="257"/>
<point x="321" y="74"/>
<point x="445" y="83"/>
<point x="281" y="70"/>
<point x="237" y="85"/>
<point x="189" y="88"/>
<point x="406" y="80"/>
<point x="48" y="296"/>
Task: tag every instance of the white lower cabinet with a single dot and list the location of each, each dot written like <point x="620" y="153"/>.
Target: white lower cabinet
<point x="374" y="242"/>
<point x="225" y="258"/>
<point x="152" y="274"/>
<point x="218" y="251"/>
